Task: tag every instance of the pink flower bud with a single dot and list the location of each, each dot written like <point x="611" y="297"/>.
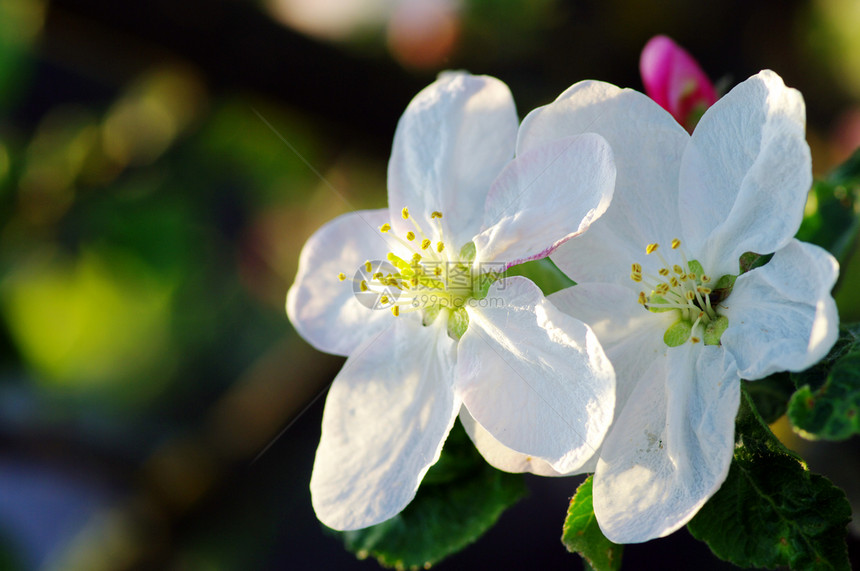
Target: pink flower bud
<point x="675" y="81"/>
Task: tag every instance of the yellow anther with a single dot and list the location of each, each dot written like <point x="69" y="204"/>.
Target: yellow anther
<point x="437" y="270"/>
<point x="383" y="300"/>
<point x="425" y="243"/>
<point x="675" y="243"/>
<point x="705" y="278"/>
<point x="436" y="214"/>
<point x="440" y="246"/>
<point x="664" y="272"/>
<point x="691" y="277"/>
<point x="690" y="295"/>
<point x="703" y="290"/>
<point x="410" y="235"/>
<point x="662" y="289"/>
<point x="416" y="258"/>
<point x="637" y="268"/>
<point x="636" y="277"/>
<point x="378" y="276"/>
<point x="395" y="310"/>
<point x="694" y="339"/>
<point x="385" y="227"/>
<point x="368" y="267"/>
<point x="405" y="213"/>
<point x="414" y="281"/>
<point x="341" y="276"/>
<point x="674" y="281"/>
<point x="651" y="248"/>
<point x="642" y="299"/>
<point x="678" y="270"/>
<point x="363" y="285"/>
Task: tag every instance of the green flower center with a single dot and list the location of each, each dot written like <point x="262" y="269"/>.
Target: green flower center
<point x="686" y="289"/>
<point x="423" y="277"/>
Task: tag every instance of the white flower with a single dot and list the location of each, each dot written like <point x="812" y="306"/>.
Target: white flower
<point x="426" y="330"/>
<point x="680" y="342"/>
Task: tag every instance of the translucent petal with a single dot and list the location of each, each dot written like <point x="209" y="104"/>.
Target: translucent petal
<point x="451" y="143"/>
<point x="534" y="377"/>
<point x="647" y="144"/>
<point x="386" y="417"/>
<point x="545" y="197"/>
<point x="324" y="310"/>
<point x="781" y="315"/>
<point x="746" y="173"/>
<point x="670" y="449"/>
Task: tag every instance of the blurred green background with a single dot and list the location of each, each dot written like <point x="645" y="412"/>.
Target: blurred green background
<point x="162" y="164"/>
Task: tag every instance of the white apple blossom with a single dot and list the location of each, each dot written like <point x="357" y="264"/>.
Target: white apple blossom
<point x="427" y="327"/>
<point x="650" y="283"/>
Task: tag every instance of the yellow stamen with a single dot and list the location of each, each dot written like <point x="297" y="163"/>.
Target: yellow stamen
<point x="425" y="243"/>
<point x="436" y="214"/>
<point x="674" y="281"/>
<point x="651" y="248"/>
<point x="636" y="277"/>
<point x="385" y="227"/>
<point x="703" y="290"/>
<point x="705" y="278"/>
<point x="678" y="270"/>
<point x="637" y="268"/>
<point x="642" y="299"/>
<point x="675" y="243"/>
<point x="395" y="310"/>
<point x="405" y="213"/>
<point x="410" y="235"/>
<point x="690" y="295"/>
<point x="383" y="300"/>
<point x="440" y="246"/>
<point x="368" y="267"/>
<point x="363" y="285"/>
<point x="341" y="276"/>
<point x="664" y="272"/>
<point x="694" y="339"/>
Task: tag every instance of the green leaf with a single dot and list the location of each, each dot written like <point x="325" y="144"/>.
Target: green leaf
<point x="833" y="411"/>
<point x="827" y="402"/>
<point x="750" y="261"/>
<point x="460" y="498"/>
<point x="771" y="511"/>
<point x="832" y="221"/>
<point x="544" y="273"/>
<point x="770" y="395"/>
<point x="582" y="535"/>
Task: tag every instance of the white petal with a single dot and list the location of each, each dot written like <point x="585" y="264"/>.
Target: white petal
<point x="781" y="315"/>
<point x="631" y="336"/>
<point x="500" y="456"/>
<point x="746" y="173"/>
<point x="670" y="449"/>
<point x="647" y="144"/>
<point x="386" y="417"/>
<point x="534" y="377"/>
<point x="545" y="197"/>
<point x="324" y="310"/>
<point x="451" y="143"/>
